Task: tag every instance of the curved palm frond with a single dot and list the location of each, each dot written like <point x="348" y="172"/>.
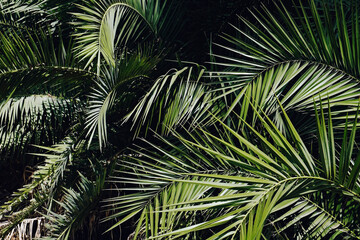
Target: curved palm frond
<point x="323" y="220"/>
<point x="175" y="99"/>
<point x="39" y="63"/>
<point x="19" y="116"/>
<point x="292" y="57"/>
<point x="239" y="182"/>
<point x="108" y="25"/>
<point x="296" y="85"/>
<point x="22" y="15"/>
<point x="223" y="162"/>
<point x="108" y="89"/>
<point x="33" y="120"/>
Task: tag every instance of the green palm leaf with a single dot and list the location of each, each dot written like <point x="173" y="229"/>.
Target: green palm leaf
<point x="39" y="63"/>
<point x="76" y="206"/>
<point x="176" y="99"/>
<point x="109" y="25"/>
<point x="294" y="59"/>
<point x="44" y="182"/>
<point x="25" y="16"/>
<point x="107" y="91"/>
<point x="236" y="184"/>
<point x="33" y="120"/>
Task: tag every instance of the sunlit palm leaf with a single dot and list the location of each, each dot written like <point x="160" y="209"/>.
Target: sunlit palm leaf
<point x="293" y="57"/>
<point x="175" y="99"/>
<point x="242" y="180"/>
<point x="107" y="26"/>
<point x="34" y="120"/>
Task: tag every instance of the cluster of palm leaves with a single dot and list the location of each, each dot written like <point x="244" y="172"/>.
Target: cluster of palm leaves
<point x="107" y="132"/>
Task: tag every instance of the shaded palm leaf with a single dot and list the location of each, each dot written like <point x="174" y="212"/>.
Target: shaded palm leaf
<point x="105" y="92"/>
<point x="44" y="183"/>
<point x="76" y="205"/>
<point x="21" y="15"/>
<point x="39" y="63"/>
<point x="34" y="120"/>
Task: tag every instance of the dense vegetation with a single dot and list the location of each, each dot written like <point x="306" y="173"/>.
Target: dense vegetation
<point x="196" y="119"/>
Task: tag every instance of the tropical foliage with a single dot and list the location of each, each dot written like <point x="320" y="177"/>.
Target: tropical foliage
<point x="117" y="123"/>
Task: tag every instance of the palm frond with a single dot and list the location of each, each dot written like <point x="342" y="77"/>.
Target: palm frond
<point x="106" y="26"/>
<point x="25" y="16"/>
<point x="236" y="184"/>
<point x="108" y="89"/>
<point x="39" y="63"/>
<point x="175" y="99"/>
<point x="76" y="205"/>
<point x="296" y="85"/>
<point x="34" y="120"/>
<point x="292" y="57"/>
<point x="318" y="221"/>
<point x="43" y="184"/>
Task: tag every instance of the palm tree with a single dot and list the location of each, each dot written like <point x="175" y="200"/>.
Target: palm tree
<point x="248" y="149"/>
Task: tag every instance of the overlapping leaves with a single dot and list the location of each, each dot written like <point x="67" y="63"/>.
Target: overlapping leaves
<point x="108" y="26"/>
<point x="298" y="56"/>
<point x="176" y="99"/>
<point x="243" y="184"/>
<point x="44" y="182"/>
